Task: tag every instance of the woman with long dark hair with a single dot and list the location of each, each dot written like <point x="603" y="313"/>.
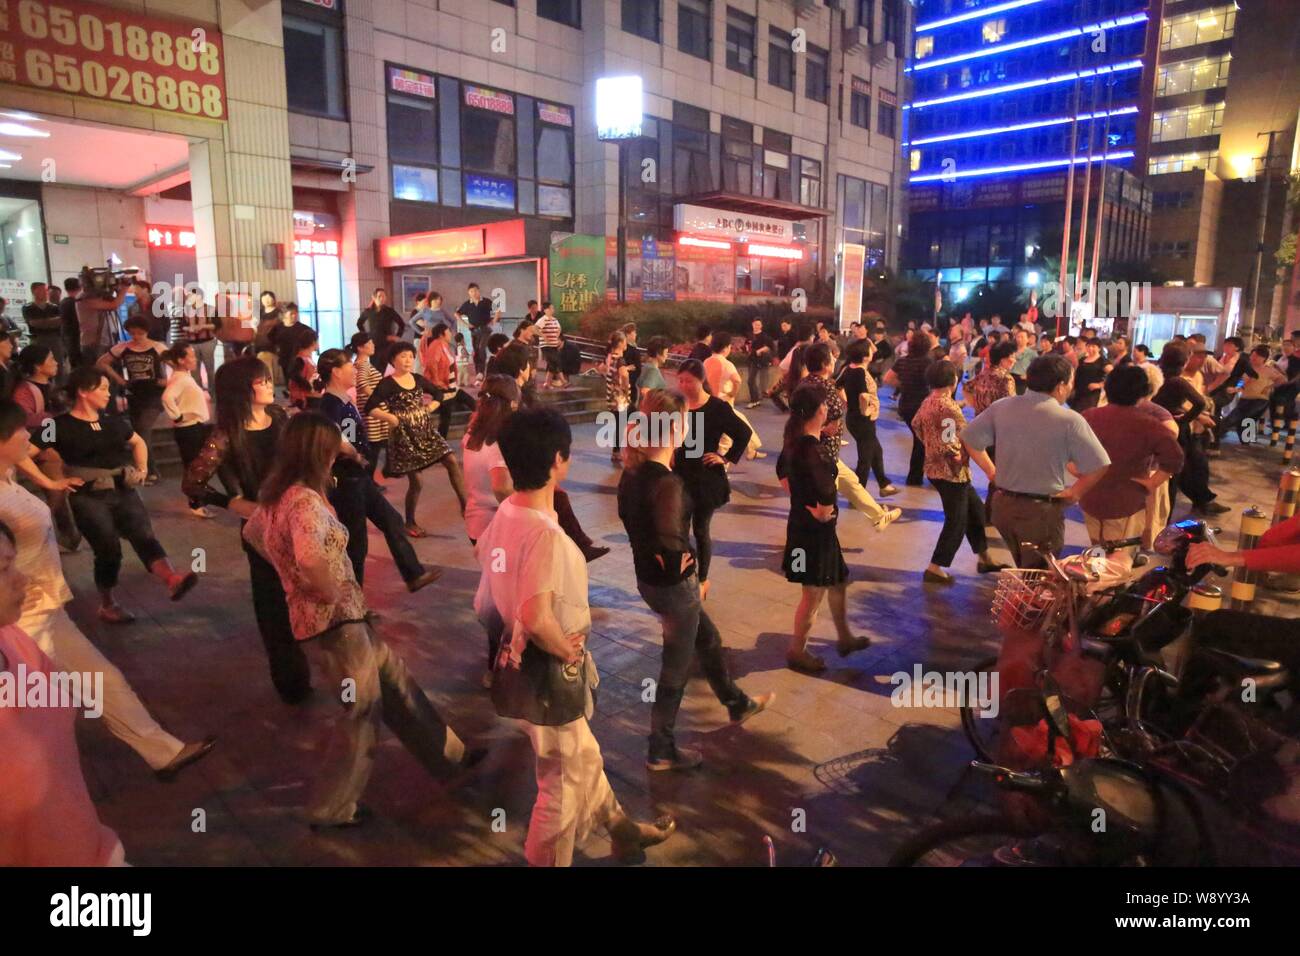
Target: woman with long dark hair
<point x="812" y="556"/>
<point x="655" y="508"/>
<point x="861" y="409"/>
<point x="414" y="443"/>
<point x="704" y="469"/>
<point x="907" y="378"/>
<point x="295" y="529"/>
<point x="111" y="459"/>
<point x="241" y="449"/>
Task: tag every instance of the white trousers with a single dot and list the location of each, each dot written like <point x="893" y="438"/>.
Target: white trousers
<point x="125" y="714"/>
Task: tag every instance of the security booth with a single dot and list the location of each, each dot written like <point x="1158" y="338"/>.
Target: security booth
<point x="1160" y="313"/>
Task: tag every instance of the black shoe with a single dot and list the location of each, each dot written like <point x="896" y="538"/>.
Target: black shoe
<point x="429" y="575"/>
<point x="593" y="551"/>
<point x="1211" y="508"/>
<point x="755" y="705"/>
<point x="989" y="567"/>
<point x="683" y="758"/>
<point x="188" y="755"/>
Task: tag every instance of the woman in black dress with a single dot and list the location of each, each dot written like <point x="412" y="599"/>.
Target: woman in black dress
<point x="241" y="451"/>
<point x="812" y="556"/>
<point x="414" y="443"/>
<point x="1088" y="377"/>
<point x="698" y="462"/>
<point x="111" y="460"/>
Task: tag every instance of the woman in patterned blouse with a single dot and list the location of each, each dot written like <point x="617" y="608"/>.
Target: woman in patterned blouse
<point x="296" y="530"/>
<point x="938" y="424"/>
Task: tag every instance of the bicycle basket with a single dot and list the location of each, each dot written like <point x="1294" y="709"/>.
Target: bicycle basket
<point x="1025" y="598"/>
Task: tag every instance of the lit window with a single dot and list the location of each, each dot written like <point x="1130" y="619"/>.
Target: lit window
<point x="916" y="160"/>
<point x="924" y="46"/>
<point x="994" y="30"/>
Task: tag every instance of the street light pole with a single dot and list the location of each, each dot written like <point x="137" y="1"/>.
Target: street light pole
<point x="621" y="231"/>
<point x="1263" y="228"/>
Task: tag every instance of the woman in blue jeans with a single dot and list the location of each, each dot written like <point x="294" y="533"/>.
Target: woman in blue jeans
<point x="655" y="508"/>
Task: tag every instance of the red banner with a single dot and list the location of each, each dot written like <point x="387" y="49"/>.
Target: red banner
<point x="86" y="49"/>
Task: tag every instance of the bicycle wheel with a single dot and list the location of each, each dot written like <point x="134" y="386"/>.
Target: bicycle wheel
<point x="963" y="841"/>
<point x="982" y="732"/>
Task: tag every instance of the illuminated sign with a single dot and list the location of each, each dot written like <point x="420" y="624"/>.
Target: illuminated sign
<point x="702" y="243"/>
<point x="446" y="245"/>
<point x="733" y="226"/>
<point x="480" y="97"/>
<point x="618" y="107"/>
<point x="315" y="247"/>
<point x="773" y="252"/>
<point x="171" y="237"/>
<point x="411" y="83"/>
<point x="554" y="114"/>
<point x="848" y="283"/>
<point x="119" y="56"/>
<point x="489" y="191"/>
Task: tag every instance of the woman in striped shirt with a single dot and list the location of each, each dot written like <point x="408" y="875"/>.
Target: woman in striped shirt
<point x="618" y="391"/>
<point x="368" y="378"/>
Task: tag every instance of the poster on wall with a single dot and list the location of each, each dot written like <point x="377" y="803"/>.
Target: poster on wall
<point x="704" y="274"/>
<point x="16" y="293"/>
<point x="656" y="271"/>
<point x="577" y="272"/>
<point x="118" y="56"/>
<point x="413" y="286"/>
<point x="489" y="191"/>
<point x="848" y="284"/>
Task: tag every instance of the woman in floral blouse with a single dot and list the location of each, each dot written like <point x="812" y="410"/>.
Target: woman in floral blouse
<point x="295" y="529"/>
<point x="938" y="423"/>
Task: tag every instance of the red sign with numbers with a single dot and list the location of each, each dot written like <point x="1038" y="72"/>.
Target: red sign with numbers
<point x="86" y="49"/>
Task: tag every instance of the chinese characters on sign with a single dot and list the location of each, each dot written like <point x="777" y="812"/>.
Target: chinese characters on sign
<point x="554" y="114"/>
<point x="315" y="247"/>
<point x="411" y="83"/>
<point x="577" y="271"/>
<point x="480" y="97"/>
<point x="701" y="220"/>
<point x="116" y="55"/>
<point x="848" y="284"/>
<point x="489" y="191"/>
<point x="171" y="237"/>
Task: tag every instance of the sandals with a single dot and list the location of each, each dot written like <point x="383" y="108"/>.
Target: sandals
<point x="854" y="644"/>
<point x="805" y="663"/>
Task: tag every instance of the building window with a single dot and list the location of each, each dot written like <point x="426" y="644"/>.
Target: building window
<point x="1182" y="162"/>
<point x="1202" y="26"/>
<point x="886" y="119"/>
<point x="568" y="12"/>
<point x="642" y="18"/>
<point x="1191" y="75"/>
<point x="313" y="64"/>
<point x="777" y="177"/>
<point x="914" y="160"/>
<point x="488" y="137"/>
<point x="737" y="156"/>
<point x="860" y="109"/>
<point x="780" y="59"/>
<point x="892" y="22"/>
<point x="1187" y="122"/>
<point x="415" y="183"/>
<point x="740" y="42"/>
<point x="867" y="15"/>
<point x="924" y="46"/>
<point x="993" y="30"/>
<point x="693" y="21"/>
<point x="690" y="139"/>
<point x="815" y="83"/>
<point x="810" y="182"/>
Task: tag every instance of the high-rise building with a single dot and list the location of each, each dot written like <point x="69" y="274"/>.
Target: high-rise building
<point x="1007" y="95"/>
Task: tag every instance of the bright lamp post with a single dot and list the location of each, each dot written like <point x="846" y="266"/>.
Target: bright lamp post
<point x="618" y="119"/>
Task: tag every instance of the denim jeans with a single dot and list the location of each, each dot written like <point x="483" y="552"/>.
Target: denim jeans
<point x="105" y="518"/>
<point x="688" y="632"/>
<point x="386" y="691"/>
<point x="357" y="499"/>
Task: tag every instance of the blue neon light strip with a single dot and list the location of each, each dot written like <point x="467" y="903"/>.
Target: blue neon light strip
<point x="1035" y="124"/>
<point x="1028" y="84"/>
<point x="997" y="48"/>
<point x="1017" y="168"/>
<point x="973" y="15"/>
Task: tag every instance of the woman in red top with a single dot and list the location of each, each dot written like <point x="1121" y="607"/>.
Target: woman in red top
<point x="439" y="363"/>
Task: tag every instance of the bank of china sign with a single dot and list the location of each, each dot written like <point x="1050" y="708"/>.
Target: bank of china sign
<point x="86" y="49"/>
<point x="732" y="226"/>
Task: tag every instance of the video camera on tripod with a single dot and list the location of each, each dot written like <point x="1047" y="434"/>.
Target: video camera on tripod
<point x="104" y="282"/>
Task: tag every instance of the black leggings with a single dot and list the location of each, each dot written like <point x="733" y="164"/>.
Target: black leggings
<point x="871" y="457"/>
<point x="290" y="672"/>
<point x="700" y="520"/>
<point x="963" y="516"/>
<point x="105" y="518"/>
<point x="916" y="463"/>
<point x="189" y="441"/>
<point x="449" y="406"/>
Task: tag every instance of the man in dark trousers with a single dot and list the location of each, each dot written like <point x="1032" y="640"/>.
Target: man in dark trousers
<point x="68" y="323"/>
<point x="42" y="318"/>
<point x="477" y="311"/>
<point x="384" y="324"/>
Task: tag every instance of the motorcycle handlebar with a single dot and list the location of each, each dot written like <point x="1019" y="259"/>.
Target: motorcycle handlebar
<point x="1013" y="779"/>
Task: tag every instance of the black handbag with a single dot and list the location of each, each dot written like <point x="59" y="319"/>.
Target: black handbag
<point x="541" y="689"/>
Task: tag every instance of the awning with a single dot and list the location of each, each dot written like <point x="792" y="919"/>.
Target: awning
<point x="754" y="205"/>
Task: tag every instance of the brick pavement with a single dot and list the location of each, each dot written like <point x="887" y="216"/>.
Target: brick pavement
<point x="833" y="752"/>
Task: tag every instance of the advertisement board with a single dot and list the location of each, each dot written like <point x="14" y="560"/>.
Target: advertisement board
<point x="848" y="283"/>
<point x="577" y="271"/>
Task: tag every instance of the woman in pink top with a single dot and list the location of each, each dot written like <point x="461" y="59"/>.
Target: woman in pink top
<point x="46" y="817"/>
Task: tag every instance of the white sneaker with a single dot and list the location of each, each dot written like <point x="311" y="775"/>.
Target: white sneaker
<point x="888" y="518"/>
<point x="200" y="512"/>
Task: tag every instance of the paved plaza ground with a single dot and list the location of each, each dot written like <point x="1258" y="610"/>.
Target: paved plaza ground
<point x="833" y="763"/>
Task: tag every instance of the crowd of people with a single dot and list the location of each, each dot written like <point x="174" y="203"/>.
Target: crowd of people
<point x="300" y="445"/>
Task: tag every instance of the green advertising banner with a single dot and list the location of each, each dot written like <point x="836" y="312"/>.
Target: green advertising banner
<point x="577" y="267"/>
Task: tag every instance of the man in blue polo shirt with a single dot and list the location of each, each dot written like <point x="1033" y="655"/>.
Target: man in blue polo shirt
<point x="1038" y="440"/>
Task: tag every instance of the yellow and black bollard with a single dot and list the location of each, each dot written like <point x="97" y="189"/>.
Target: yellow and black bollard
<point x="1276" y="432"/>
<point x="1289" y="448"/>
<point x="1288" y="490"/>
<point x="1205" y="597"/>
<point x="1253" y="525"/>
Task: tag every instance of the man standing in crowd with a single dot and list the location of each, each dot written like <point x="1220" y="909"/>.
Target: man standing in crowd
<point x="43" y="323"/>
<point x="477" y="311"/>
<point x="97" y="319"/>
<point x="702" y="350"/>
<point x="761" y="349"/>
<point x="788" y="338"/>
<point x="68" y="323"/>
<point x="632" y="356"/>
<point x="384" y="325"/>
<point x="1037" y="439"/>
